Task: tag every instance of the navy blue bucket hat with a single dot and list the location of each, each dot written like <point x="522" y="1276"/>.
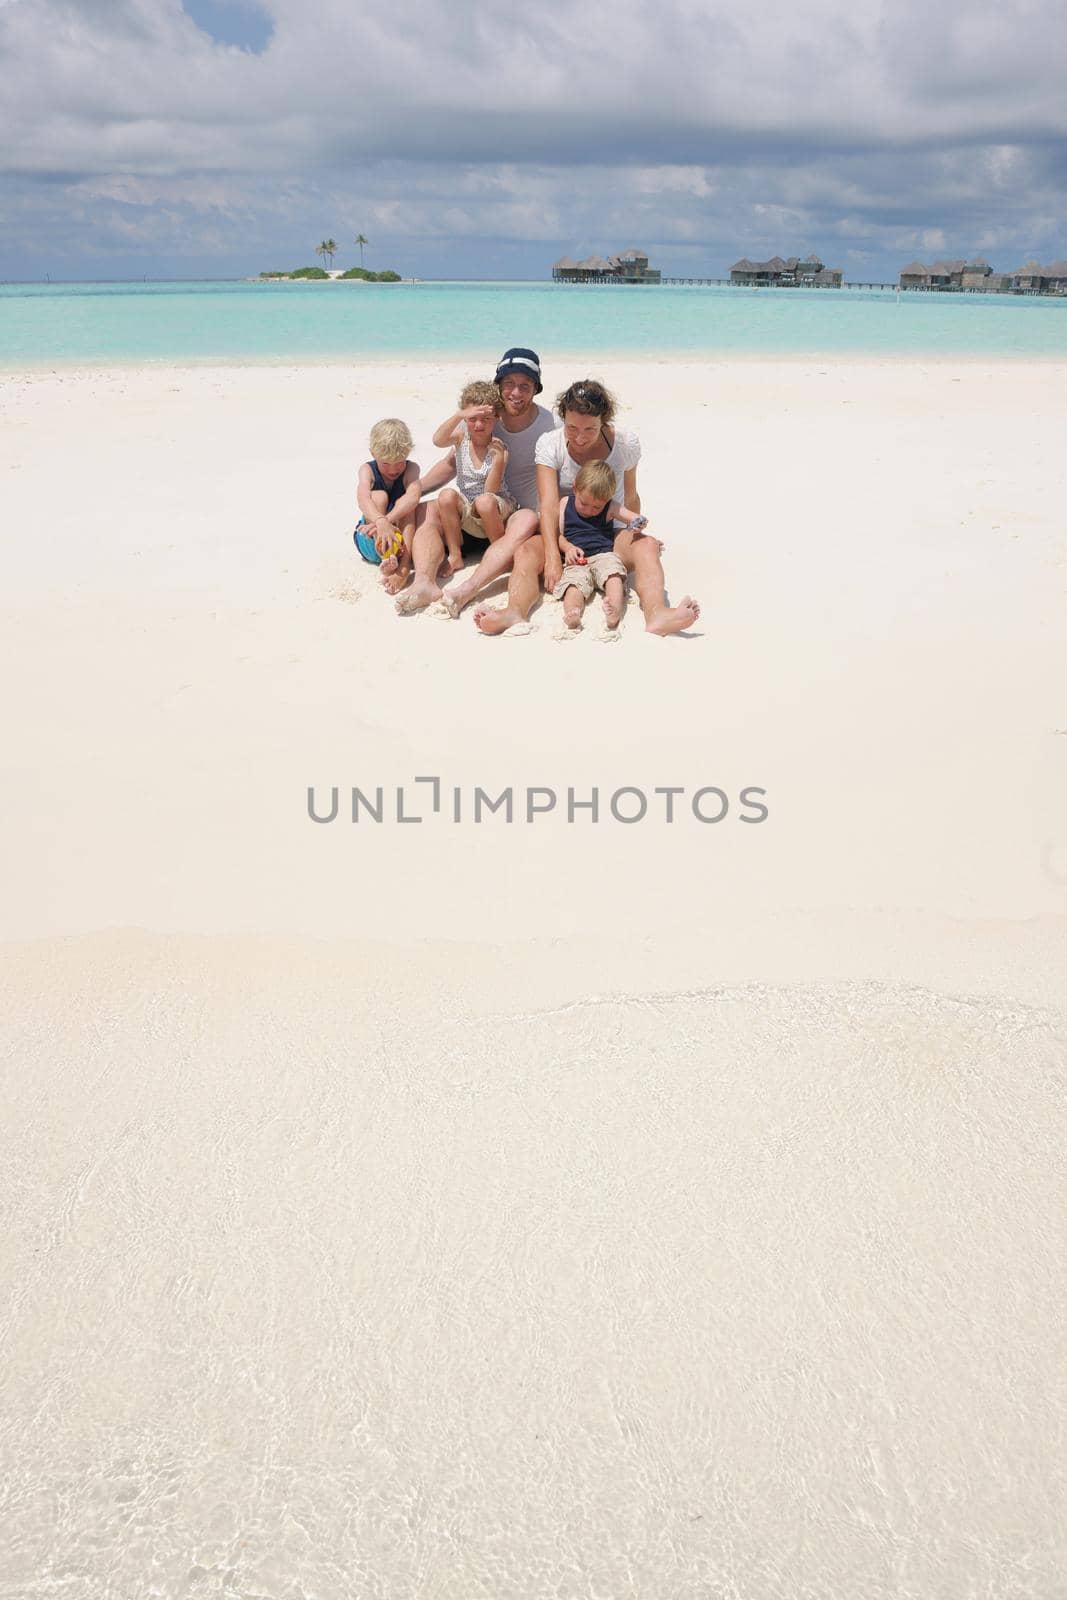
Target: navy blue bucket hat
<point x="524" y="362"/>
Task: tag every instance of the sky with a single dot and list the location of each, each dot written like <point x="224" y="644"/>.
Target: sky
<point x="219" y="138"/>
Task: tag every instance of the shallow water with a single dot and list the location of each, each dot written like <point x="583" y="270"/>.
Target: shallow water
<point x="98" y="323"/>
<point x="746" y="1292"/>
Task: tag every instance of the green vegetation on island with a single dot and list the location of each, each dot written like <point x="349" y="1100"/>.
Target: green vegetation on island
<point x="328" y="249"/>
<point x="372" y="277"/>
<point x="300" y="272"/>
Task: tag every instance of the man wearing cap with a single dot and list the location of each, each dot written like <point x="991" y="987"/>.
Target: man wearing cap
<point x="518" y="376"/>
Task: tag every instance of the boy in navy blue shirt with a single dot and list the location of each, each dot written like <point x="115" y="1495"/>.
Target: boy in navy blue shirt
<point x="388" y="491"/>
<point x="587" y="544"/>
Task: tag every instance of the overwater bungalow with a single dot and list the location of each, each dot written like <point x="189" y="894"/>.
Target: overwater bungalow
<point x="978" y="277"/>
<point x="629" y="266"/>
<point x="1035" y="279"/>
<point x="945" y="275"/>
<point x="788" y="273"/>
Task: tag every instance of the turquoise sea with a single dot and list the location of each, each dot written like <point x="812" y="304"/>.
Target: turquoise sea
<point x="93" y="323"/>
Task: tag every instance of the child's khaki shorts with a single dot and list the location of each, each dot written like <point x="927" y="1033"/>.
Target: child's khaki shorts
<point x="471" y="522"/>
<point x="593" y="576"/>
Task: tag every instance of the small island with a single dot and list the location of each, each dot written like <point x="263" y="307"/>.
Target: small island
<point x="327" y="250"/>
<point x="320" y="275"/>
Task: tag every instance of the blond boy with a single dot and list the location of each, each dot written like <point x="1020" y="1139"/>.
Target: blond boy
<point x="587" y="545"/>
<point x="388" y="491"/>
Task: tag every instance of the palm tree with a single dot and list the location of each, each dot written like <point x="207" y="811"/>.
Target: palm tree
<point x="327" y="248"/>
<point x="361" y="240"/>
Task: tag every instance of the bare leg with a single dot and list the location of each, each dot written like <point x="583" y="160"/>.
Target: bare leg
<point x="428" y="551"/>
<point x="449" y="512"/>
<point x="614" y="600"/>
<point x="396" y="570"/>
<point x="488" y="513"/>
<point x="388" y="568"/>
<point x="573" y="606"/>
<point x="642" y="556"/>
<point x="497" y="559"/>
<point x="524" y="586"/>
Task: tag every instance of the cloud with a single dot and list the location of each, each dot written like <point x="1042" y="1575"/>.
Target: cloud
<point x="456" y="123"/>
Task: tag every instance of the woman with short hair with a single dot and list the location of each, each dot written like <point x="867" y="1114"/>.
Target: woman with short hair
<point x="587" y="432"/>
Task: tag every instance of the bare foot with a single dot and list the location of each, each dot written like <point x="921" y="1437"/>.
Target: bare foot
<point x="573" y="619"/>
<point x="456" y="598"/>
<point x="393" y="582"/>
<point x="422" y="593"/>
<point x="454" y="563"/>
<point x="613" y="611"/>
<point x="487" y="619"/>
<point x="674" y="619"/>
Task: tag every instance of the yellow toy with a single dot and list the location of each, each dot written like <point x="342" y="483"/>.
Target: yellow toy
<point x="396" y="544"/>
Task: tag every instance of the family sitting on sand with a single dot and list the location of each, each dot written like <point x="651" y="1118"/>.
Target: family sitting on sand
<point x="516" y="474"/>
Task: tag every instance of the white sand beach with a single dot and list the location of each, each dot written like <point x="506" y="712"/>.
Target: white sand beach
<point x="544" y="1208"/>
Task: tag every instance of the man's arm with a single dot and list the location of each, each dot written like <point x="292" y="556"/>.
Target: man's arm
<point x="440" y="473"/>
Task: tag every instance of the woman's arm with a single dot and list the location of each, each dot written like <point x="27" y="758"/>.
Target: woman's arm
<point x="629" y="490"/>
<point x="549" y="508"/>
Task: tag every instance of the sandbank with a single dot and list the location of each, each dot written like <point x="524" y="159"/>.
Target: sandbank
<point x="536" y="1207"/>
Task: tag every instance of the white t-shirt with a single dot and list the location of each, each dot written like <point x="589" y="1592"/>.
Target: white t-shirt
<point x="521" y="472"/>
<point x="552" y="452"/>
